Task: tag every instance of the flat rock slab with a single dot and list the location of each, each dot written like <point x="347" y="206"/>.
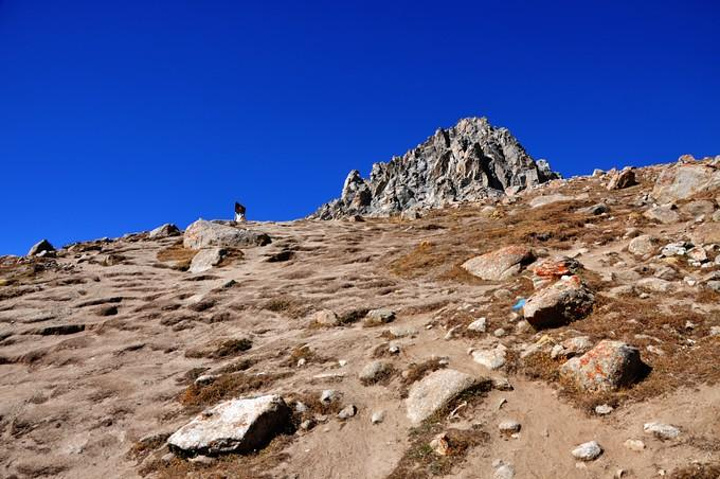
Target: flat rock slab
<point x="205" y="234"/>
<point x="205" y="259"/>
<point x="606" y="367"/>
<point x="539" y="201"/>
<point x="435" y="391"/>
<point x="238" y="425"/>
<point x="501" y="264"/>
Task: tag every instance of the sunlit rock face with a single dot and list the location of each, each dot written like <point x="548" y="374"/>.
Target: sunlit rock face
<point x="471" y="161"/>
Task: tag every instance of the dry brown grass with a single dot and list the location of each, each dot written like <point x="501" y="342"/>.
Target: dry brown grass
<point x="288" y="305"/>
<point x="197" y="397"/>
<point x="420" y="461"/>
<point x="177" y="255"/>
<point x="697" y="471"/>
<point x="304" y="351"/>
<point x="689" y="359"/>
<point x="422" y="258"/>
<point x="221" y="349"/>
<point x="144" y="447"/>
<point x="383" y="377"/>
<point x="311" y="399"/>
<point x="557" y="225"/>
<point x="231" y="466"/>
<point x="416" y="371"/>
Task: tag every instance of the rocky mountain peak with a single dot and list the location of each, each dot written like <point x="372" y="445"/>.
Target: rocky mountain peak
<point x="467" y="162"/>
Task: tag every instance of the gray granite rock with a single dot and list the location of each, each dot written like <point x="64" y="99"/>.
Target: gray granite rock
<point x="471" y="161"/>
<point x="435" y="391"/>
<point x="238" y="425"/>
<point x="204" y="234"/>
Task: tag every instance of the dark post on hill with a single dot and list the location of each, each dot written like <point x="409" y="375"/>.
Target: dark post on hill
<point x="240" y="213"/>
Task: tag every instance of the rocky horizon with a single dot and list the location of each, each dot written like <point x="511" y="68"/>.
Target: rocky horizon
<point x="470" y="161"/>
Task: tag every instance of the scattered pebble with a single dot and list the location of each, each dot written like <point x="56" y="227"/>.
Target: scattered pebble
<point x="504" y="471"/>
<point x="661" y="431"/>
<point x="328" y="396"/>
<point x="509" y="426"/>
<point x="441" y="445"/>
<point x="588" y="451"/>
<point x="479" y="325"/>
<point x="634" y="445"/>
<point x="603" y="409"/>
<point x="347" y="412"/>
<point x="377" y="417"/>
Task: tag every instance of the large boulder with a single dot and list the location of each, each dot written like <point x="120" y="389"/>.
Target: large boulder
<point x="500" y="264"/>
<point x="685" y="180"/>
<point x="699" y="208"/>
<point x="239" y="425"/>
<point x="664" y="214"/>
<point x="540" y="201"/>
<point x="205" y="259"/>
<point x="563" y="302"/>
<point x="164" y="231"/>
<point x="550" y="270"/>
<point x="205" y="234"/>
<point x="41" y="248"/>
<point x="643" y="245"/>
<point x="606" y="367"/>
<point x="435" y="391"/>
<point x="622" y="179"/>
<point x="708" y="233"/>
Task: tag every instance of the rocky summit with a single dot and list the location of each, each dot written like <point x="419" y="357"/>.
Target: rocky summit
<point x="552" y="328"/>
<point x="471" y="161"/>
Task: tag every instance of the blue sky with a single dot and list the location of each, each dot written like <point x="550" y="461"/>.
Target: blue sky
<point x="119" y="116"/>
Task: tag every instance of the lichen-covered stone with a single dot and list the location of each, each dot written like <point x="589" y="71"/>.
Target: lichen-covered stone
<point x="606" y="367"/>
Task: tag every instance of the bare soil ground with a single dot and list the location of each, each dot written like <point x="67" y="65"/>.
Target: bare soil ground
<point x="100" y="347"/>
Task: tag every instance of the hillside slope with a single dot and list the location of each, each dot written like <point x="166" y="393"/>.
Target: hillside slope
<point x="109" y="347"/>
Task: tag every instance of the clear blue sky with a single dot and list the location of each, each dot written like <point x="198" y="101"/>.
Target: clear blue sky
<point x="119" y="116"/>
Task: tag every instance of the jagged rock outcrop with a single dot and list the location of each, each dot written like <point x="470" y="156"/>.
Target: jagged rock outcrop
<point x="468" y="162"/>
